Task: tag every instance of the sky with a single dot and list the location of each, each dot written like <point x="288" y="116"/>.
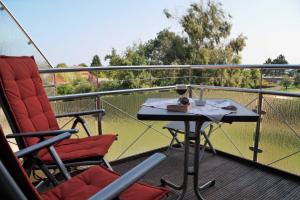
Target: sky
<point x="74" y="31"/>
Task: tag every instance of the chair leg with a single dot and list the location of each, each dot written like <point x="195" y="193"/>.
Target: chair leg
<point x="106" y="163"/>
<point x="46" y="171"/>
<point x="207" y="141"/>
<point x="174" y="138"/>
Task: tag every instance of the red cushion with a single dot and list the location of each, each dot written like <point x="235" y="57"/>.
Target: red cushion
<point x="24" y="92"/>
<point x="16" y="170"/>
<point x="92" y="180"/>
<point x="80" y="148"/>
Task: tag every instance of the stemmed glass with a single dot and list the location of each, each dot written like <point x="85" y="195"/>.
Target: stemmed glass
<point x="181" y="90"/>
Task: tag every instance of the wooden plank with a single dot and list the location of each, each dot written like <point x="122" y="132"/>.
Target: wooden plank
<point x="257" y="188"/>
<point x="294" y="194"/>
<point x="234" y="180"/>
<point x="279" y="190"/>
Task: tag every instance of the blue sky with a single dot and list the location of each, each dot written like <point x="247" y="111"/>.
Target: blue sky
<point x="73" y="31"/>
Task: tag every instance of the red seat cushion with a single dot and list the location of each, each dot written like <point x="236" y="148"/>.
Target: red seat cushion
<point x="31" y="111"/>
<point x="27" y="100"/>
<point x="80" y="148"/>
<point x="92" y="180"/>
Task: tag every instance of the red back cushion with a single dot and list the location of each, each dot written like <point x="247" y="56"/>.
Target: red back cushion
<point x="23" y="91"/>
<point x="15" y="169"/>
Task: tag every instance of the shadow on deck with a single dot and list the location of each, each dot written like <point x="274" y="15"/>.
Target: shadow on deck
<point x="234" y="179"/>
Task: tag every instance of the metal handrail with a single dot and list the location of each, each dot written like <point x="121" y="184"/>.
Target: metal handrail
<point x="105" y="93"/>
<point x="155" y="67"/>
<point x="249" y="90"/>
<point x="25" y="33"/>
<point x="127" y="91"/>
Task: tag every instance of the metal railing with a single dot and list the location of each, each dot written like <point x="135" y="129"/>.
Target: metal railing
<point x="260" y="92"/>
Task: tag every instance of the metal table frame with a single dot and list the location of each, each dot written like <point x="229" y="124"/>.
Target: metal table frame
<point x="147" y="113"/>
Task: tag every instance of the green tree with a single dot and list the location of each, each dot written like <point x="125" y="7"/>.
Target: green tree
<point x="61" y="65"/>
<point x="208" y="28"/>
<point x="205" y="40"/>
<point x="82" y="65"/>
<point x="275" y="72"/>
<point x="286" y="81"/>
<point x="96" y="61"/>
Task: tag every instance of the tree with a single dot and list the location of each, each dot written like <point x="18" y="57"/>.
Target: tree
<point x="82" y="65"/>
<point x="286" y="81"/>
<point x="61" y="65"/>
<point x="96" y="61"/>
<point x="275" y="72"/>
<point x="205" y="40"/>
<point x="166" y="48"/>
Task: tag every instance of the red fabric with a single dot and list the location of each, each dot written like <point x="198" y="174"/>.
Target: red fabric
<point x="80" y="187"/>
<point x="72" y="149"/>
<point x="15" y="169"/>
<point x="92" y="180"/>
<point x="23" y="89"/>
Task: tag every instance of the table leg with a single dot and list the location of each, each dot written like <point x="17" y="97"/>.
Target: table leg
<point x="184" y="184"/>
<point x="196" y="164"/>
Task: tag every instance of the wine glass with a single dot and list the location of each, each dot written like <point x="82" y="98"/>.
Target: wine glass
<point x="181" y="90"/>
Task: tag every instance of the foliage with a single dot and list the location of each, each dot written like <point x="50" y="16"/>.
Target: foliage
<point x="96" y="61"/>
<point x="286" y="81"/>
<point x="65" y="89"/>
<point x="205" y="40"/>
<point x="61" y="65"/>
<point x="275" y="72"/>
<point x="83" y="87"/>
<point x="82" y="65"/>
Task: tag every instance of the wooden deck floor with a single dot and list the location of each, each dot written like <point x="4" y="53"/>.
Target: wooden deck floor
<point x="234" y="180"/>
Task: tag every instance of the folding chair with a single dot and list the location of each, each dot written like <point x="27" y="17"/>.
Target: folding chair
<point x="95" y="183"/>
<point x="27" y="108"/>
<point x="176" y="127"/>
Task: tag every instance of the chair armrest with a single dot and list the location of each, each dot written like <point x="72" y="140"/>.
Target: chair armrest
<point x="77" y="114"/>
<point x="41" y="133"/>
<point x="43" y="144"/>
<point x="129" y="178"/>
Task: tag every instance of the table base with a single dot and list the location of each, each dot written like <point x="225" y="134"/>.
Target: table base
<point x="190" y="171"/>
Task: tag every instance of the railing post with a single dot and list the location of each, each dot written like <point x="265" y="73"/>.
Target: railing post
<point x="255" y="148"/>
<point x="190" y="82"/>
<point x="98" y="106"/>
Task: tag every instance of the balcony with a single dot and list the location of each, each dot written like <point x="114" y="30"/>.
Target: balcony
<point x="251" y="162"/>
<point x="254" y="160"/>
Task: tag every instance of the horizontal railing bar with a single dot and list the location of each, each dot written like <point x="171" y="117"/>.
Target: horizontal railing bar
<point x="234" y="89"/>
<point x="104" y="93"/>
<point x="154" y="67"/>
<point x="249" y="90"/>
<point x="111" y="68"/>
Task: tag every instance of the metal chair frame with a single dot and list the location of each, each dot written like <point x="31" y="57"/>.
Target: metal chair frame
<point x="174" y="129"/>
